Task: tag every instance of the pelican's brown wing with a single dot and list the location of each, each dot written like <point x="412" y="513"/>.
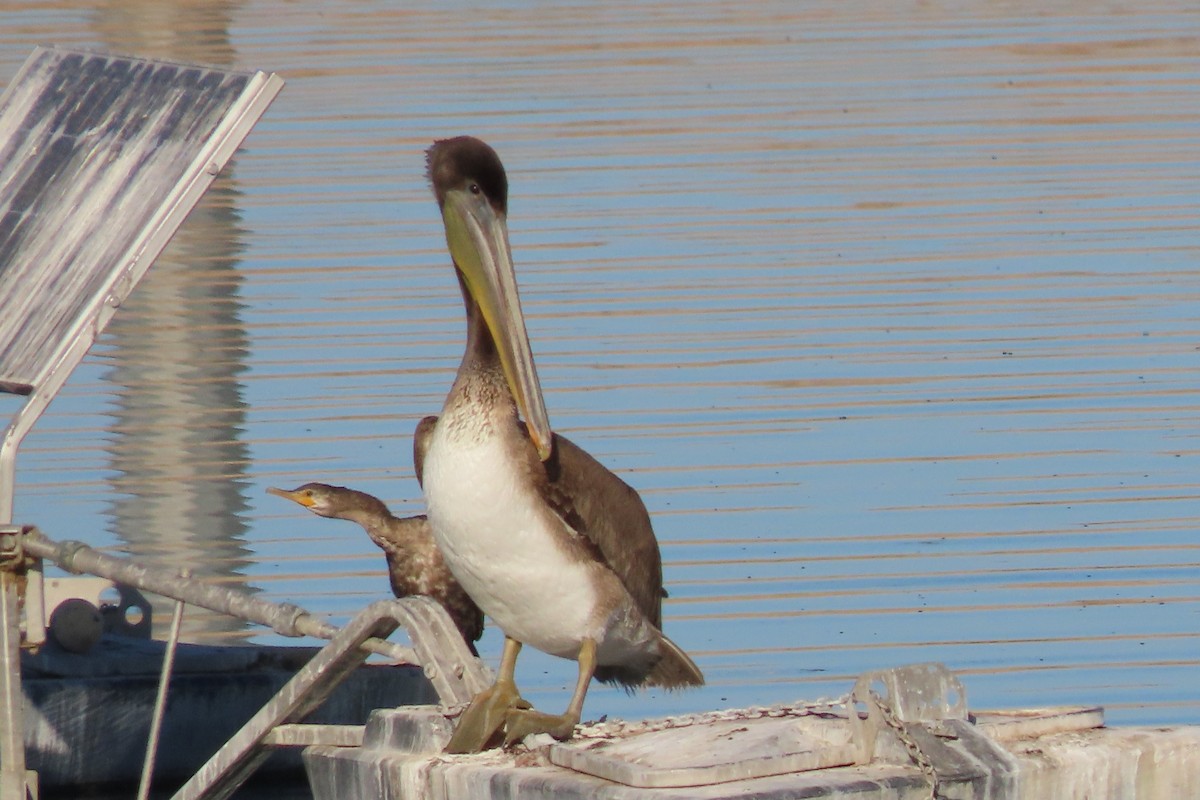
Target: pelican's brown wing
<point x="609" y="514"/>
<point x="421" y="437"/>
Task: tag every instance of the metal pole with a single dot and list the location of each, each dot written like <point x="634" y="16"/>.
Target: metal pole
<point x="9" y="443"/>
<point x="12" y="727"/>
<point x="160" y="702"/>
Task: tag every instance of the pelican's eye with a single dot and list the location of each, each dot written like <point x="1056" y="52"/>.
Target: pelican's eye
<point x="474" y="187"/>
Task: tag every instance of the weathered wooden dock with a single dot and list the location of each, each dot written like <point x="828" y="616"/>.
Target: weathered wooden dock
<point x="902" y="733"/>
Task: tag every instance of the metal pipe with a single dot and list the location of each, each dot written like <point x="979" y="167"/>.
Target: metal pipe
<point x="284" y="618"/>
<point x="22" y="423"/>
<point x="12" y="730"/>
<point x="8" y="467"/>
<point x="160" y="702"/>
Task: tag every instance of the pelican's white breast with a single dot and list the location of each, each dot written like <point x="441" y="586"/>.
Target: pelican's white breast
<point x="500" y="542"/>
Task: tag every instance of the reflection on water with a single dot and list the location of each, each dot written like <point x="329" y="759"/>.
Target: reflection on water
<point x="176" y="351"/>
<point x="888" y="312"/>
<point x="176" y="445"/>
<point x="176" y="30"/>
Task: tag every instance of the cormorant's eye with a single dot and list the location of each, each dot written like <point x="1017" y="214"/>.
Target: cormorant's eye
<point x="474" y="187"/>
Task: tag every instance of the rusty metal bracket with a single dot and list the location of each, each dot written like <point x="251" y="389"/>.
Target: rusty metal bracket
<point x="25" y="568"/>
<point x="12" y="548"/>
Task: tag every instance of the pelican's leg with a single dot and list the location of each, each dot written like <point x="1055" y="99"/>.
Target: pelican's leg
<point x="487" y="711"/>
<point x="525" y="721"/>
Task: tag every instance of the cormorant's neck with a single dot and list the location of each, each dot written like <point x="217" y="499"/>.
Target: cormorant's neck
<point x="367" y="510"/>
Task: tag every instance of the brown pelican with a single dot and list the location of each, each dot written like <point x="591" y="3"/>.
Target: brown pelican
<point x="415" y="564"/>
<point x="556" y="549"/>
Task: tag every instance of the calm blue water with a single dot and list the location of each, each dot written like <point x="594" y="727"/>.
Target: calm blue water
<point x="891" y="316"/>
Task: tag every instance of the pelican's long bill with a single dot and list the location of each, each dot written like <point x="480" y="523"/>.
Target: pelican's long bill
<point x="478" y="238"/>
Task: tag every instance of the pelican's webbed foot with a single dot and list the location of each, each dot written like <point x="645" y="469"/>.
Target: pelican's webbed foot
<point x="481" y="722"/>
<point x="526" y="722"/>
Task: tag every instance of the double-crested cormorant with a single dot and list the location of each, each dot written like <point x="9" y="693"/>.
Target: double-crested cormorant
<point x="415" y="564"/>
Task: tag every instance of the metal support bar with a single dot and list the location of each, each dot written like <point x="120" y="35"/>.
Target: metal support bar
<point x="283" y="618"/>
<point x="13" y="785"/>
<point x="456" y="675"/>
<point x="160" y="702"/>
<point x="236" y="761"/>
<point x="16" y="783"/>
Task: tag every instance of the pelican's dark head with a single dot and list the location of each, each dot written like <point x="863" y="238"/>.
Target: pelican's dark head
<point x="467" y="164"/>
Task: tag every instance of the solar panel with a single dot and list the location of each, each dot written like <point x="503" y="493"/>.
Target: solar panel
<point x="101" y="159"/>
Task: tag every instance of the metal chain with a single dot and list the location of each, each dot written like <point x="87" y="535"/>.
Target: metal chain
<point x="919" y="756"/>
<point x="613" y="729"/>
<point x="836" y="707"/>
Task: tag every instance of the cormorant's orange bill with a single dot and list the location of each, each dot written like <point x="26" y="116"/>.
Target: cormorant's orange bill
<point x="300" y="496"/>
